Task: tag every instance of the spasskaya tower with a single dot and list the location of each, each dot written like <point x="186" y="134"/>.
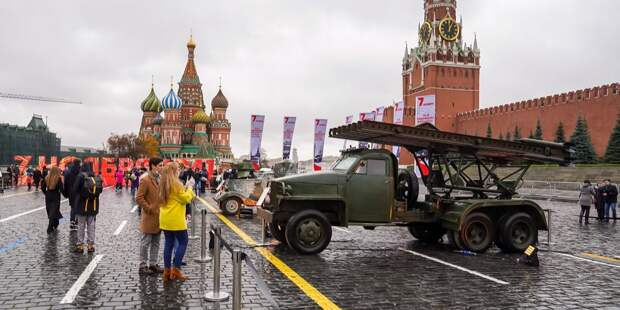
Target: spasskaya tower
<point x="442" y="64"/>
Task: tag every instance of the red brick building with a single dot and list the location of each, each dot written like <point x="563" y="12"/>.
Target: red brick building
<point x="442" y="64"/>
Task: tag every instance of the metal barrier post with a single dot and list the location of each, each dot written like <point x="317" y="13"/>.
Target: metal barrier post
<point x="263" y="234"/>
<point x="216" y="295"/>
<point x="204" y="257"/>
<point x="237" y="257"/>
<point x="549" y="227"/>
<point x="192" y="208"/>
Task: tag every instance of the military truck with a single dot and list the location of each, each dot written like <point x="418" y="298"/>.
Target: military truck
<point x="471" y="182"/>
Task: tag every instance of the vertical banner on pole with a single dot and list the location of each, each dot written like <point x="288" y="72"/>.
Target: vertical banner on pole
<point x="289" y="128"/>
<point x="256" y="135"/>
<point x="347" y="121"/>
<point x="379" y="112"/>
<point x="399" y="113"/>
<point x="367" y="116"/>
<point x="320" y="128"/>
<point x="425" y="109"/>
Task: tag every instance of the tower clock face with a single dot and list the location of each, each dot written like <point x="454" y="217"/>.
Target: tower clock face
<point x="425" y="32"/>
<point x="449" y="29"/>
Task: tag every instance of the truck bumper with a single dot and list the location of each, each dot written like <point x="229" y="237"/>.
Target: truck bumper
<point x="264" y="214"/>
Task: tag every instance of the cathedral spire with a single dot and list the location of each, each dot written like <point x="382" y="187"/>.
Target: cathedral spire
<point x="406" y="52"/>
<point x="475" y="42"/>
<point x="190" y="76"/>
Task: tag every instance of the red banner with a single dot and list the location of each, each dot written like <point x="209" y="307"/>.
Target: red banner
<point x="106" y="166"/>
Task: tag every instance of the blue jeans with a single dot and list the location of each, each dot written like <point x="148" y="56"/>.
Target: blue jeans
<point x="610" y="206"/>
<point x="179" y="236"/>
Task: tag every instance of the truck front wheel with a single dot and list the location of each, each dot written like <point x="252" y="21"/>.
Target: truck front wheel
<point x="518" y="232"/>
<point x="308" y="232"/>
<point x="427" y="232"/>
<point x="477" y="232"/>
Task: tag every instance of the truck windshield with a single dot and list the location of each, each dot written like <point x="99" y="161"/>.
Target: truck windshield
<point x="345" y="163"/>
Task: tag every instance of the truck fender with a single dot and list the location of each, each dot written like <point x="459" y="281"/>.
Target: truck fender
<point x="337" y="215"/>
<point x="227" y="195"/>
<point x="452" y="218"/>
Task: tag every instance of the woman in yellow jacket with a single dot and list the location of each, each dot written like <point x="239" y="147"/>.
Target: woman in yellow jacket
<point x="172" y="219"/>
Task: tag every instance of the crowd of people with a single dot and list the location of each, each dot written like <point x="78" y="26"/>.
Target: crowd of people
<point x="603" y="196"/>
<point x="163" y="194"/>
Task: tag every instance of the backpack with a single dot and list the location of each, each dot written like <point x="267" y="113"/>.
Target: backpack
<point x="92" y="187"/>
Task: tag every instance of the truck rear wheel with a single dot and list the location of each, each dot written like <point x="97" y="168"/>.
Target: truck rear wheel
<point x="477" y="233"/>
<point x="518" y="232"/>
<point x="308" y="232"/>
<point x="278" y="231"/>
<point x="231" y="206"/>
<point x="499" y="238"/>
<point x="427" y="232"/>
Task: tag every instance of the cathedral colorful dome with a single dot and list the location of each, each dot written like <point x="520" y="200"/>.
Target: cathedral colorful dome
<point x="171" y="101"/>
<point x="158" y="119"/>
<point x="151" y="103"/>
<point x="201" y="117"/>
<point x="219" y="101"/>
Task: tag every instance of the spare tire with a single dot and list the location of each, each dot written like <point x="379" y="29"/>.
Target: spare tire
<point x="407" y="188"/>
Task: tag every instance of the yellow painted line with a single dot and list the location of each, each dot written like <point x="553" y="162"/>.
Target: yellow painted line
<point x="601" y="257"/>
<point x="306" y="287"/>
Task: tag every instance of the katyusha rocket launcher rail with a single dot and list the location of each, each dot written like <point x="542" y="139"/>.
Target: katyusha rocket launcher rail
<point x="452" y="163"/>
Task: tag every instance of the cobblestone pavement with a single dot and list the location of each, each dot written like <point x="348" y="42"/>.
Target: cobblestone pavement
<point x="360" y="269"/>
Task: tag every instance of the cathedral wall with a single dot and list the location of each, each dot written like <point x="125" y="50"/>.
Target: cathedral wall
<point x="599" y="105"/>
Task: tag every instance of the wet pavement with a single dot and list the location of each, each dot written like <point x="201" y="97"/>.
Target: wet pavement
<point x="360" y="269"/>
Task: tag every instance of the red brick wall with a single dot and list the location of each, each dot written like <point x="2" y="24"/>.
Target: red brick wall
<point x="456" y="90"/>
<point x="599" y="105"/>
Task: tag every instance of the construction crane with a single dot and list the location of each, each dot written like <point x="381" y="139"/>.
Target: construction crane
<point x="37" y="98"/>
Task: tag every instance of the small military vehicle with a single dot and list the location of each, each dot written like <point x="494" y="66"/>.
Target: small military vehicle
<point x="237" y="190"/>
<point x="471" y="185"/>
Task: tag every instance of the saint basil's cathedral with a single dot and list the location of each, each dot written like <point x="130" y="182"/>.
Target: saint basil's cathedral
<point x="186" y="130"/>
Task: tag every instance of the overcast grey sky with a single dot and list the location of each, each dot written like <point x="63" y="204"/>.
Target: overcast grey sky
<point x="310" y="59"/>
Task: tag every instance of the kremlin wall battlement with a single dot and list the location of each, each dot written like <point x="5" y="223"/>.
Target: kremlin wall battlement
<point x="598" y="105"/>
<point x="582" y="95"/>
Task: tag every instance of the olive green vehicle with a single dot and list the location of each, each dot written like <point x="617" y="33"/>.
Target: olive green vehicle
<point x="470" y="182"/>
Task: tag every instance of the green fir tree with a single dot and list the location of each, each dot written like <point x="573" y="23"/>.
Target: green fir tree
<point x="584" y="151"/>
<point x="489" y="131"/>
<point x="538" y="133"/>
<point x="531" y="136"/>
<point x="517" y="134"/>
<point x="559" y="134"/>
<point x="501" y="136"/>
<point x="508" y="136"/>
<point x="612" y="154"/>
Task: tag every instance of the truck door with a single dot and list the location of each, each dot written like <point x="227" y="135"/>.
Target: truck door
<point x="369" y="190"/>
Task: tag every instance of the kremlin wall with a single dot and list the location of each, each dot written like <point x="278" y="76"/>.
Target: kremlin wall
<point x="599" y="105"/>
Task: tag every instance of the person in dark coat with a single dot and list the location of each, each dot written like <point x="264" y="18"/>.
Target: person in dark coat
<point x="204" y="178"/>
<point x="610" y="198"/>
<point x="70" y="176"/>
<point x="52" y="187"/>
<point x="29" y="174"/>
<point x="600" y="205"/>
<point x="36" y="178"/>
<point x="86" y="209"/>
